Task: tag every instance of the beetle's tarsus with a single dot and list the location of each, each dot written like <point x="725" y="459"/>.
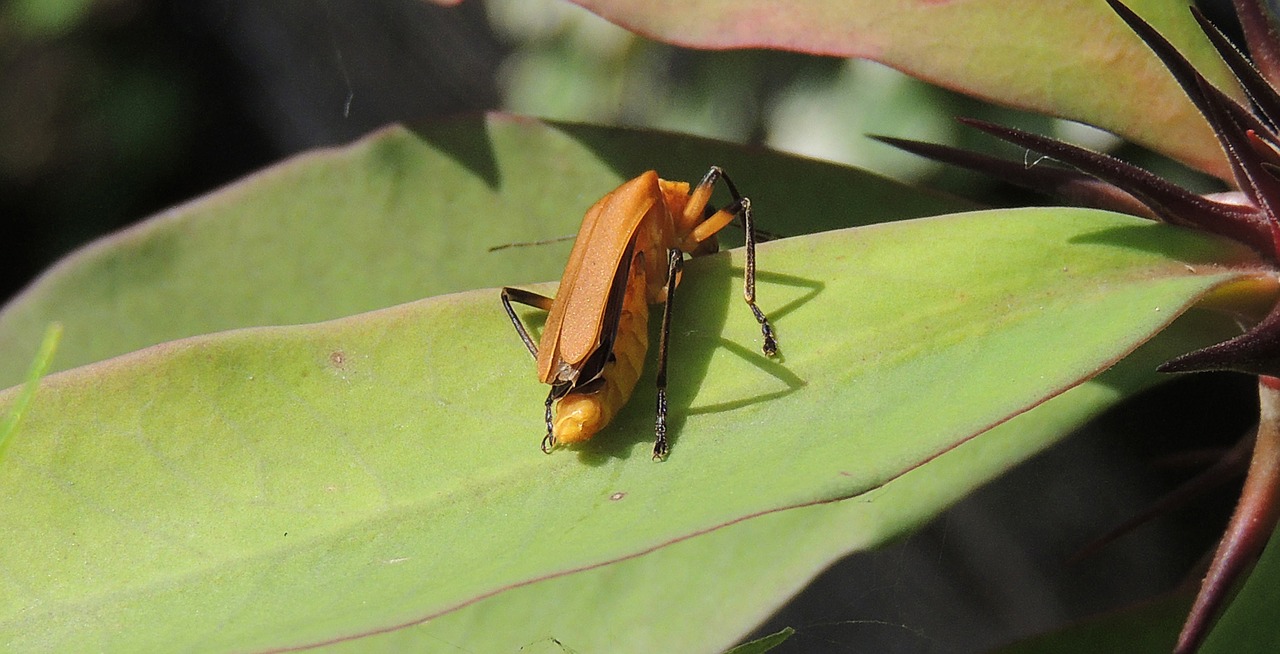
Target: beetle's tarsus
<point x="770" y="345"/>
<point x="660" y="450"/>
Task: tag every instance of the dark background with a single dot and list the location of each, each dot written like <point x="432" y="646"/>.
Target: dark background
<point x="117" y="109"/>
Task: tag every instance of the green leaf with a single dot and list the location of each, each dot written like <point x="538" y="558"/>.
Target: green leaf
<point x="1071" y="58"/>
<point x="45" y="18"/>
<point x="762" y="645"/>
<point x="398" y="216"/>
<point x="745" y="569"/>
<point x="277" y="487"/>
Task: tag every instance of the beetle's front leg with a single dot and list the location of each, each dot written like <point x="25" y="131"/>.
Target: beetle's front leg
<point x="529" y="298"/>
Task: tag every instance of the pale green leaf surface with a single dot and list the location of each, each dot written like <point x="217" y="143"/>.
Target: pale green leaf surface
<point x="701" y="594"/>
<point x="281" y="486"/>
<point x="398" y="216"/>
<point x="1069" y="58"/>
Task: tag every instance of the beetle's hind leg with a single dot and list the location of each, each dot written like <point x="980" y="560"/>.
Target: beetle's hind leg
<point x="770" y="344"/>
<point x="739" y="208"/>
<point x="528" y="298"/>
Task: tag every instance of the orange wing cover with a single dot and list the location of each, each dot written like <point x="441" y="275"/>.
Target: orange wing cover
<point x="573" y="327"/>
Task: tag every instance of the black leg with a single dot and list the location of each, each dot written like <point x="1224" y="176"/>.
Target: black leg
<point x="742" y="207"/>
<point x="549" y="441"/>
<point x="770" y="344"/>
<point x="675" y="261"/>
<point x="534" y="300"/>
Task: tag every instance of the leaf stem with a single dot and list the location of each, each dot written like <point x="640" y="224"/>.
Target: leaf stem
<point x="1251" y="525"/>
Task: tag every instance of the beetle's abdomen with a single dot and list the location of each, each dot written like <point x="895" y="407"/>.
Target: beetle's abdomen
<point x="583" y="413"/>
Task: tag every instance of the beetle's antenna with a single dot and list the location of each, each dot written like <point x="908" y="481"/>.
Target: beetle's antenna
<point x="525" y="244"/>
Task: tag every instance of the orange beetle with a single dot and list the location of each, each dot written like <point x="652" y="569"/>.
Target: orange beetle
<point x="628" y="254"/>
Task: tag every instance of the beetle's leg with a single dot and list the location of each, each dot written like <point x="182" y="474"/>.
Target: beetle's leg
<point x="703" y="226"/>
<point x="549" y="441"/>
<point x="770" y="344"/>
<point x="701" y="195"/>
<point x="741" y="207"/>
<point x="529" y="298"/>
<point x="558" y="390"/>
<point x="675" y="261"/>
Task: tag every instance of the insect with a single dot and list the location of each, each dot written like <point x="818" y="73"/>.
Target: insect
<point x="629" y="253"/>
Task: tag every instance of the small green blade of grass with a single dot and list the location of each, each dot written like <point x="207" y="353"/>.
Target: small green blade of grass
<point x="39" y="367"/>
<point x="293" y="486"/>
<point x="765" y="644"/>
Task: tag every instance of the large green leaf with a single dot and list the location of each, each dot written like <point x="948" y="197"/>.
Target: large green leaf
<point x="274" y="487"/>
<point x="397" y="216"/>
<point x="1070" y="58"/>
<point x="697" y="594"/>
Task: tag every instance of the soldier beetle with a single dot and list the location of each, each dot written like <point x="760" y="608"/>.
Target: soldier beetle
<point x="629" y="253"/>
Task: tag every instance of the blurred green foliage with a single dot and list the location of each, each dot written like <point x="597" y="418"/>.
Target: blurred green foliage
<point x="37" y="18"/>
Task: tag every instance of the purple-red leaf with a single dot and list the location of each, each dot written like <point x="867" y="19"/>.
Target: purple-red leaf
<point x="1069" y="58"/>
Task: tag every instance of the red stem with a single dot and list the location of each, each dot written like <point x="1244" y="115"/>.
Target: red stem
<point x="1250" y="527"/>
